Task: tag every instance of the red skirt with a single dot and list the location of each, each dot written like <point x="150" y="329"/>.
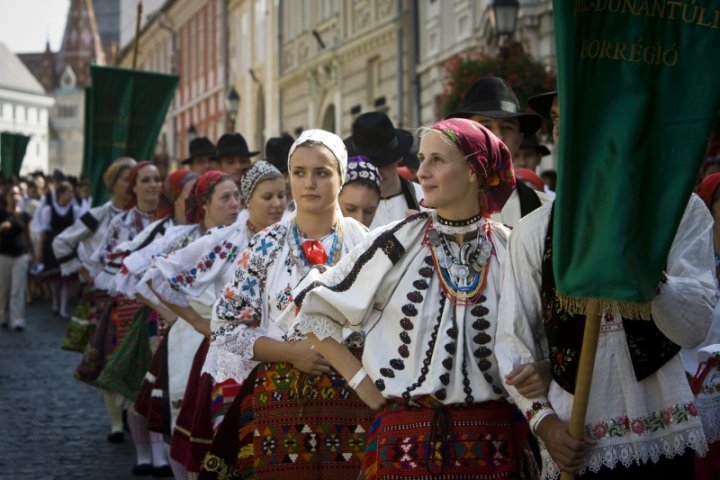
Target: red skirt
<point x="446" y="442"/>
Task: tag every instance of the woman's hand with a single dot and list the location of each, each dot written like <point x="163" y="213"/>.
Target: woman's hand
<point x="567" y="452"/>
<point x="530" y="379"/>
<point x="304" y="357"/>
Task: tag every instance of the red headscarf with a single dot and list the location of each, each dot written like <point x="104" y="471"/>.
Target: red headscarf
<point x="707" y="188"/>
<point x="132" y="180"/>
<point x="172" y="188"/>
<point x="528" y="175"/>
<point x="487" y="156"/>
<point x="201" y="192"/>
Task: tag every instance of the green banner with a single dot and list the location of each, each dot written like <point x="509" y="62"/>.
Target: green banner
<point x="639" y="92"/>
<point x="127" y="110"/>
<point x="87" y="134"/>
<point x="12" y="152"/>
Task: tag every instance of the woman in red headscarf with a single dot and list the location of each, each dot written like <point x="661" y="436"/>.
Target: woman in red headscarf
<point x="425" y="293"/>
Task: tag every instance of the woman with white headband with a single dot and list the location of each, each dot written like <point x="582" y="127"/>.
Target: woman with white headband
<point x="285" y="381"/>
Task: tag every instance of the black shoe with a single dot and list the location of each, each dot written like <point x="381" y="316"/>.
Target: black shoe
<point x="143" y="470"/>
<point x="19" y="328"/>
<point x="116" y="437"/>
<point x="162" y="472"/>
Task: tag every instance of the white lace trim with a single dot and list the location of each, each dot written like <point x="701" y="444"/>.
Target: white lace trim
<point x="638" y="451"/>
<point x="321" y="325"/>
<point x="222" y="365"/>
<point x="709" y="410"/>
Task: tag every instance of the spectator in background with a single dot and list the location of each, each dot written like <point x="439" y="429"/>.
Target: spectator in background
<point x="550" y="179"/>
<point x="234" y="157"/>
<point x="530" y="154"/>
<point x="277" y="150"/>
<point x="15" y="253"/>
<point x="202" y="154"/>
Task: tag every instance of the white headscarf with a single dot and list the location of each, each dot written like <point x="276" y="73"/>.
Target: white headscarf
<point x="327" y="139"/>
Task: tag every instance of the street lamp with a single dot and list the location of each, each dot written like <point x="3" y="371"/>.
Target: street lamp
<point x="505" y="13"/>
<point x="232" y="106"/>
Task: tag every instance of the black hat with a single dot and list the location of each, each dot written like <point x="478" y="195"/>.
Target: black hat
<point x="233" y="144"/>
<point x="542" y="103"/>
<point x="492" y="97"/>
<point x="200" y="147"/>
<point x="58" y="175"/>
<point x="277" y="150"/>
<point x="410" y="160"/>
<point x="532" y="142"/>
<point x="375" y="136"/>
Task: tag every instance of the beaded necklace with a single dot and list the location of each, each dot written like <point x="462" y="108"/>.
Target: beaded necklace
<point x="298" y="255"/>
<point x="462" y="268"/>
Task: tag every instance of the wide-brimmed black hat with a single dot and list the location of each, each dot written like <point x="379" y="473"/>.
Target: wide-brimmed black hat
<point x="277" y="150"/>
<point x="375" y="136"/>
<point x="200" y="147"/>
<point x="233" y="144"/>
<point x="492" y="97"/>
<point x="542" y="103"/>
<point x="532" y="142"/>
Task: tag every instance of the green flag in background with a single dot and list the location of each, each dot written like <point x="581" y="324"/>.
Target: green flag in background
<point x="639" y="92"/>
<point x="87" y="135"/>
<point x="12" y="152"/>
<point x="127" y="110"/>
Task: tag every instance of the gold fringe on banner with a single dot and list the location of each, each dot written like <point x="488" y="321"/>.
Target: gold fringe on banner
<point x="629" y="310"/>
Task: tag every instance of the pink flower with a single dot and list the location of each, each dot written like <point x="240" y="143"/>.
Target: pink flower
<point x="692" y="410"/>
<point x="637" y="426"/>
<point x="666" y="415"/>
<point x="624" y="421"/>
<point x="600" y="430"/>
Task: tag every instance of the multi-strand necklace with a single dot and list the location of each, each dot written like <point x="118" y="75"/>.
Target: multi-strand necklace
<point x="462" y="267"/>
<point x="303" y="260"/>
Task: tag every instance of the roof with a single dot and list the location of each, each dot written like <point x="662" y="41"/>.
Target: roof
<point x="15" y="75"/>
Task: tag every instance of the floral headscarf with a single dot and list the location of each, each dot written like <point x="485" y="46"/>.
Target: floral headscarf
<point x="360" y="169"/>
<point x="201" y="192"/>
<point x="327" y="139"/>
<point x="260" y="170"/>
<point x="707" y="188"/>
<point x="116" y="168"/>
<point x="487" y="156"/>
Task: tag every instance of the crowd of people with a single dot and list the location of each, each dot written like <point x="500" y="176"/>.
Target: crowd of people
<point x="360" y="308"/>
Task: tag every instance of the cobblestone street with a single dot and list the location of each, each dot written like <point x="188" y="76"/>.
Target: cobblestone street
<point x="51" y="425"/>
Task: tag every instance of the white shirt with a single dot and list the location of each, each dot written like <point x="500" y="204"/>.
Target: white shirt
<point x="393" y="208"/>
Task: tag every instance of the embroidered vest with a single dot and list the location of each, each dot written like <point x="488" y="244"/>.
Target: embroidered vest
<point x="649" y="348"/>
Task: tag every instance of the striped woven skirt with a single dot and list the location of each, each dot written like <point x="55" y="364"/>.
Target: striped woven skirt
<point x="446" y="442"/>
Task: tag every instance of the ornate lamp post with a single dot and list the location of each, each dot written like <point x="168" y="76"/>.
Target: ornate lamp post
<point x="505" y="13"/>
<point x="232" y="106"/>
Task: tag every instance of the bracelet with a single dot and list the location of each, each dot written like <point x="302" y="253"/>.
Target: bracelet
<point x="357" y="378"/>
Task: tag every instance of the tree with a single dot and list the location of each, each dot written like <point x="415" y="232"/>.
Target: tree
<point x="525" y="75"/>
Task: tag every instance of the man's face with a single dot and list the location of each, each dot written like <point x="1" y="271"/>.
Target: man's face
<point x="555" y="117"/>
<point x="506" y="129"/>
<point x="200" y="165"/>
<point x="527" y="158"/>
<point x="235" y="166"/>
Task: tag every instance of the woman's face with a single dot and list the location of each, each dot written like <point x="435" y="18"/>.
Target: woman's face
<point x="120" y="187"/>
<point x="64" y="198"/>
<point x="147" y="186"/>
<point x="314" y="179"/>
<point x="12" y="198"/>
<point x="224" y="204"/>
<point x="267" y="203"/>
<point x="446" y="179"/>
<point x="179" y="206"/>
<point x="359" y="201"/>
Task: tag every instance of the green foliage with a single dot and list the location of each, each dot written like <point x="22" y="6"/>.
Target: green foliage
<point x="522" y="72"/>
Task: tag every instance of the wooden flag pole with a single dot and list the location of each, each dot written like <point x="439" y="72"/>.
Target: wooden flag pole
<point x="584" y="376"/>
<point x="137" y="34"/>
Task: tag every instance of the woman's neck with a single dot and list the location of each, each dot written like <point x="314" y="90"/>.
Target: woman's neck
<point x="316" y="226"/>
<point x="118" y="202"/>
<point x="145" y="206"/>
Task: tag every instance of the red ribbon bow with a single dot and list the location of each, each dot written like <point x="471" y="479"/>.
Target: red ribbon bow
<point x="314" y="252"/>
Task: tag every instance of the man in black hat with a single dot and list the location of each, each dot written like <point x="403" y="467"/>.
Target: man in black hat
<point x="530" y="154"/>
<point x="375" y="136"/>
<point x="277" y="150"/>
<point x="202" y="153"/>
<point x="234" y="155"/>
<point x="492" y="103"/>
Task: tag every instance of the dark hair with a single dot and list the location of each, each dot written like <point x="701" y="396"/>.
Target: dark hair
<point x="64" y="187"/>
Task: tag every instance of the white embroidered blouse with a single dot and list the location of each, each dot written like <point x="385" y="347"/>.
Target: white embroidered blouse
<point x="632" y="421"/>
<point x="266" y="273"/>
<point x="417" y="341"/>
